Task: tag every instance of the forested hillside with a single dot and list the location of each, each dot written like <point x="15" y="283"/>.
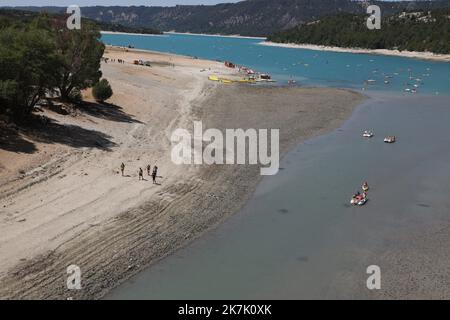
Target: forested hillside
<point x="26" y="15"/>
<point x="412" y="31"/>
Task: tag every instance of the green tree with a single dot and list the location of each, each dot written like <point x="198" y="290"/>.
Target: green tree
<point x="102" y="90"/>
<point x="27" y="54"/>
<point x="80" y="53"/>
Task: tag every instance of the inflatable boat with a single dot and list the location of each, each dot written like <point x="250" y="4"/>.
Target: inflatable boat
<point x="359" y="200"/>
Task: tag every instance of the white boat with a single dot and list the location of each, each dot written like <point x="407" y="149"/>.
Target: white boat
<point x="367" y="134"/>
<point x="390" y="139"/>
<point x="362" y="202"/>
<point x="265" y="80"/>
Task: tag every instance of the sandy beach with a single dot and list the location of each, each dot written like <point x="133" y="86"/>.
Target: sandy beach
<point x="63" y="200"/>
<point x="397" y="53"/>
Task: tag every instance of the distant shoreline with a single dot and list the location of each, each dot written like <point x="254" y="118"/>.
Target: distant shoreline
<point x="132" y="34"/>
<point x="214" y="35"/>
<point x="386" y="52"/>
<point x="184" y="34"/>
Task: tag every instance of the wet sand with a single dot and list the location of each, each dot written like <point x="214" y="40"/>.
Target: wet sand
<point x="64" y="202"/>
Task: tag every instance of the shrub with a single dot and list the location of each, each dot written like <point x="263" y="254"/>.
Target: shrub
<point x="102" y="90"/>
<point x="75" y="95"/>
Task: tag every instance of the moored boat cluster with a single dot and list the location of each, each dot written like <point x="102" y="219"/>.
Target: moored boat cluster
<point x="249" y="75"/>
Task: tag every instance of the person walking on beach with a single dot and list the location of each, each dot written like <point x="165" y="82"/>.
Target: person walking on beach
<point x="148" y="170"/>
<point x="141" y="174"/>
<point x="155" y="172"/>
<point x="122" y="168"/>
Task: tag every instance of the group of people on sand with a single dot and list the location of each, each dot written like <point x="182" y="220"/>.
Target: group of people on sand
<point x="151" y="173"/>
<point x="106" y="60"/>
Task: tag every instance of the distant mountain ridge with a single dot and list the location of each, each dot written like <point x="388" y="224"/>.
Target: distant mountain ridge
<point x="247" y="18"/>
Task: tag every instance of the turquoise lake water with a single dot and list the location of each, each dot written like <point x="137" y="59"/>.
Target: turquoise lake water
<point x="298" y="237"/>
<point x="308" y="67"/>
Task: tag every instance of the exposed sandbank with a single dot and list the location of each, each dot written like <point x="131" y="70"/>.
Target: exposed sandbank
<point x="71" y="206"/>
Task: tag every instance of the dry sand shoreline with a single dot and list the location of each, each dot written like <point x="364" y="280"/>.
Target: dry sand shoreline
<point x="69" y="205"/>
<point x="396" y="53"/>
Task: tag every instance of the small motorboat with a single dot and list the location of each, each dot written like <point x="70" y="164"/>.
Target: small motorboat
<point x="390" y="139"/>
<point x="265" y="76"/>
<point x="367" y="134"/>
